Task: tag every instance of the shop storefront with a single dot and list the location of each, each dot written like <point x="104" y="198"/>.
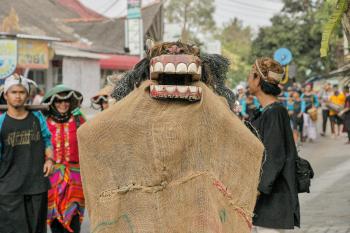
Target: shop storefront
<point x="8" y="58"/>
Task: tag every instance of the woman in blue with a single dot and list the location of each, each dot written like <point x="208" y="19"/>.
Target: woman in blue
<point x="309" y="100"/>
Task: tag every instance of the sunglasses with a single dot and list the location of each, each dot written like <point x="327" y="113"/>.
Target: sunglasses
<point x="61" y="101"/>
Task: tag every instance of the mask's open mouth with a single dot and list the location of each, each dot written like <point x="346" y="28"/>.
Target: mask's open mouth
<point x="174" y="75"/>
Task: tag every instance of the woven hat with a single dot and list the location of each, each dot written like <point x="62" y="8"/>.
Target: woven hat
<point x="55" y="92"/>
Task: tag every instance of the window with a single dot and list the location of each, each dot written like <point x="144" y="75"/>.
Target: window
<point x="39" y="77"/>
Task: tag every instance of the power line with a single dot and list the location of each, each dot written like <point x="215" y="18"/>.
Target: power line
<point x="251" y="5"/>
<point x="119" y="14"/>
<point x="235" y="11"/>
<point x="110" y="6"/>
<point x="274" y="1"/>
<point x="103" y="7"/>
<point x="259" y="7"/>
<point x="232" y="7"/>
<point x="233" y="4"/>
<point x="257" y="20"/>
<point x="249" y="19"/>
<point x="92" y="26"/>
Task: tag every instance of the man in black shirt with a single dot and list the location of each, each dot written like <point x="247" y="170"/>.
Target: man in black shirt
<point x="25" y="163"/>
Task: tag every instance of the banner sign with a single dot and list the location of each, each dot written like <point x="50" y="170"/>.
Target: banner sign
<point x="134" y="36"/>
<point x="8" y="57"/>
<point x="33" y="54"/>
<point x="134" y="9"/>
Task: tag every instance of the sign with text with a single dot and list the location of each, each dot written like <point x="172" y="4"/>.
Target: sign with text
<point x="33" y="54"/>
<point x="134" y="36"/>
<point x="8" y="57"/>
<point x="134" y="9"/>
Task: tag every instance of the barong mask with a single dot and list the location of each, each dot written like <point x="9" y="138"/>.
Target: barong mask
<point x="175" y="71"/>
<point x="174" y="68"/>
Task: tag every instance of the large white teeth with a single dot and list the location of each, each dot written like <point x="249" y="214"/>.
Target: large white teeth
<point x="192" y="68"/>
<point x="153" y="75"/>
<point x="181" y="68"/>
<point x="158" y="67"/>
<point x="171" y="89"/>
<point x="193" y="89"/>
<point x="169" y="68"/>
<point x="199" y="71"/>
<point x="198" y="74"/>
<point x="182" y="89"/>
<point x="190" y="93"/>
<point x="159" y="88"/>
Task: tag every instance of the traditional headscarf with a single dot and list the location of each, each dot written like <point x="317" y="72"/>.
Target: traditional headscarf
<point x="272" y="77"/>
<point x="16" y="79"/>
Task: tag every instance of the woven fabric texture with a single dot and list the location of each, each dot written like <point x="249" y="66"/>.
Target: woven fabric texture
<point x="165" y="166"/>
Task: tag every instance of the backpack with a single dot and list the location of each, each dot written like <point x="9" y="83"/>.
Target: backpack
<point x="304" y="174"/>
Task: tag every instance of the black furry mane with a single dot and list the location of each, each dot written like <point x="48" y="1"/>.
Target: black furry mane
<point x="214" y="69"/>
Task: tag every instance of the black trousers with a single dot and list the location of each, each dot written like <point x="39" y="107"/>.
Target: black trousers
<point x="23" y="213"/>
<point x="56" y="226"/>
<point x="347" y="123"/>
<point x="325" y="116"/>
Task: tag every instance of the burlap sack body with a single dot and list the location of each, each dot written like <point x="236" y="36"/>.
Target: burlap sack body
<point x="155" y="166"/>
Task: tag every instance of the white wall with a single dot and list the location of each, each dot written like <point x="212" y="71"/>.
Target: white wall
<point x="82" y="75"/>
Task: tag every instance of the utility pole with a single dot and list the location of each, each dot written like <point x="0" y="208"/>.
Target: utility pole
<point x="134" y="28"/>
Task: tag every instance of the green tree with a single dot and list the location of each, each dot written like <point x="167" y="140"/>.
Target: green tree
<point x="299" y="27"/>
<point x="194" y="16"/>
<point x="236" y="43"/>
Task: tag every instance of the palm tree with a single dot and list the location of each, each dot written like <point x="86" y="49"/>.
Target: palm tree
<point x="341" y="12"/>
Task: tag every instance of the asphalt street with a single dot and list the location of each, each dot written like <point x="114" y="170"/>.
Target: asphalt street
<point x="327" y="208"/>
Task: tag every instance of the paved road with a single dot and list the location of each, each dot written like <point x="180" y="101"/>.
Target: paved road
<point x="327" y="208"/>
